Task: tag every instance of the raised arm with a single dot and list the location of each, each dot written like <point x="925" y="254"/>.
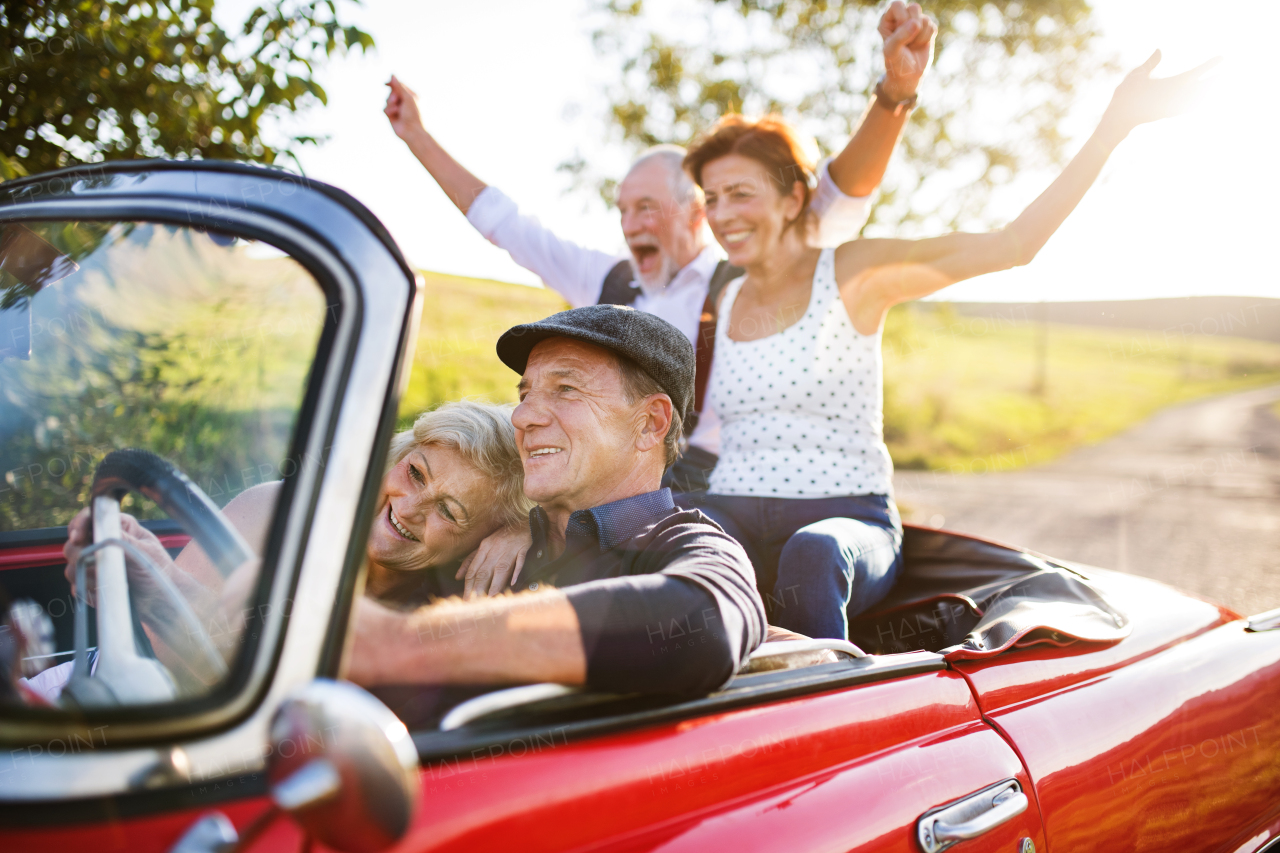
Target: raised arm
<point x="458" y="184"/>
<point x="908" y="48"/>
<point x="875" y="275"/>
<point x="575" y="272"/>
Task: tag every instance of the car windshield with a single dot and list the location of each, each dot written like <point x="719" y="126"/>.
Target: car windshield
<point x="153" y="357"/>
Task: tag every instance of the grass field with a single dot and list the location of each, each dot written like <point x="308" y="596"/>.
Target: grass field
<point x="963" y="393"/>
<point x="461" y="321"/>
<point x="967" y="394"/>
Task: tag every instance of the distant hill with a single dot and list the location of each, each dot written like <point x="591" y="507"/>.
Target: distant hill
<point x="1253" y="317"/>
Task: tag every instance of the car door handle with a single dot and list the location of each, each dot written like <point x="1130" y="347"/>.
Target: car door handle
<point x="970" y="817"/>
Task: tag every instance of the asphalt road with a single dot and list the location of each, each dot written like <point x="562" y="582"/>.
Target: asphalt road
<point x="1190" y="497"/>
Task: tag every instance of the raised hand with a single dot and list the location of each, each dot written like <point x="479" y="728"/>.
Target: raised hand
<point x="402" y="109"/>
<point x="1141" y="98"/>
<point x="908" y="36"/>
<point x="458" y="184"/>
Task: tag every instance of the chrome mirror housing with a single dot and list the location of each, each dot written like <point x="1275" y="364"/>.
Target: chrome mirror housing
<point x="343" y="766"/>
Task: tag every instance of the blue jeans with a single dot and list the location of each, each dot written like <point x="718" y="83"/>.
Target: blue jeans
<point x="819" y="561"/>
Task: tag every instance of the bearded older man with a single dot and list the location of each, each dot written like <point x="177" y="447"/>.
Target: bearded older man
<point x="677" y="270"/>
<point x="615" y="564"/>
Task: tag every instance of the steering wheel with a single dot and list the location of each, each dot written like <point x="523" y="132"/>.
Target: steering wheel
<point x="127" y="671"/>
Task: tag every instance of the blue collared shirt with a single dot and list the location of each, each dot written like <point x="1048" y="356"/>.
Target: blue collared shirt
<point x="666" y="600"/>
<point x="600" y="529"/>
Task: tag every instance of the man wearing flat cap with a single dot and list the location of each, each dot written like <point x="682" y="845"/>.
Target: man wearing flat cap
<point x="621" y="590"/>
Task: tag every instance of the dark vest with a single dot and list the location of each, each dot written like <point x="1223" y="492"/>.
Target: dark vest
<point x="620" y="289"/>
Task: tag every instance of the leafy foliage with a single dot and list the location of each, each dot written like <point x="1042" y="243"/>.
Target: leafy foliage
<point x="124" y="396"/>
<point x="91" y="80"/>
<point x="992" y="104"/>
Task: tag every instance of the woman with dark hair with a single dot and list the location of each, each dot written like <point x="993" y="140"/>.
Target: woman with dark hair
<point x="804" y="479"/>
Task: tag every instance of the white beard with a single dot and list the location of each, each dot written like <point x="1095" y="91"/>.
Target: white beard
<point x="660" y="277"/>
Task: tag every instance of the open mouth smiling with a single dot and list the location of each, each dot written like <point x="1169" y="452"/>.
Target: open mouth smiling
<point x="644" y="254"/>
<point x="544" y="451"/>
<point x="400" y="528"/>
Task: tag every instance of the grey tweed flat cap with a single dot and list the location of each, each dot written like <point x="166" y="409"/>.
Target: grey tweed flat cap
<point x="659" y="348"/>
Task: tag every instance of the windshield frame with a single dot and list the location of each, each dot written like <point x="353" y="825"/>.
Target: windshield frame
<point x="325" y="231"/>
<point x="212" y="707"/>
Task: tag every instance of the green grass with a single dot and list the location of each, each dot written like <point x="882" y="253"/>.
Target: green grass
<point x="959" y="392"/>
<point x="163" y="340"/>
<point x="461" y="321"/>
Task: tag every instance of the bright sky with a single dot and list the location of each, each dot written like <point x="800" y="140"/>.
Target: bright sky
<point x="512" y="88"/>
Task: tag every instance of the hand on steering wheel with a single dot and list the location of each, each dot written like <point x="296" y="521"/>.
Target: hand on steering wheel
<point x="144" y="592"/>
<point x="177" y="617"/>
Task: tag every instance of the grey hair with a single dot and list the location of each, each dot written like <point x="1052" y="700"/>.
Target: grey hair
<point x="638" y="384"/>
<point x="683" y="189"/>
<point x="483" y="434"/>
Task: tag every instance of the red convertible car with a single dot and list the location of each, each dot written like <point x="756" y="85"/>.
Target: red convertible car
<point x="174" y="333"/>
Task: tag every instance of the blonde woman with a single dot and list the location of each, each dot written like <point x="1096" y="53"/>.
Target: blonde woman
<point x="452" y="519"/>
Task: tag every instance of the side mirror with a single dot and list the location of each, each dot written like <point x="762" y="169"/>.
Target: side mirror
<point x="343" y="766"/>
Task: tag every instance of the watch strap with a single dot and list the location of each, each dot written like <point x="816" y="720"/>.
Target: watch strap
<point x="895" y="107"/>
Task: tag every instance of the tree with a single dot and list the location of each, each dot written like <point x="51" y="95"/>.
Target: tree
<point x="1001" y="84"/>
<point x="91" y="80"/>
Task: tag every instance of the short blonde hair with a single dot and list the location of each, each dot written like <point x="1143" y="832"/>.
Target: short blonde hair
<point x="483" y="434"/>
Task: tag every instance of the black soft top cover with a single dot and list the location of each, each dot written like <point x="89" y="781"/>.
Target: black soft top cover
<point x="971" y="598"/>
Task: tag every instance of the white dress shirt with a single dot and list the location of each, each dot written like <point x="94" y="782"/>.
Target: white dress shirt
<point x="578" y="273"/>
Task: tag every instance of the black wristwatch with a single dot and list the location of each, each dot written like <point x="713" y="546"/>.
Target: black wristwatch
<point x="895" y="107"/>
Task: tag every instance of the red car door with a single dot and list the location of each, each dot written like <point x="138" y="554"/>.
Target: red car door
<point x="849" y="769"/>
<point x="1165" y="741"/>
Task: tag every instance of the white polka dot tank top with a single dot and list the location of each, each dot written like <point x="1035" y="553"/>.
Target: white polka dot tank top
<point x="802" y="410"/>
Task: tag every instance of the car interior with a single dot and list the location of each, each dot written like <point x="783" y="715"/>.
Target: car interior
<point x="128" y="342"/>
<point x="958" y="597"/>
<point x="86" y="426"/>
